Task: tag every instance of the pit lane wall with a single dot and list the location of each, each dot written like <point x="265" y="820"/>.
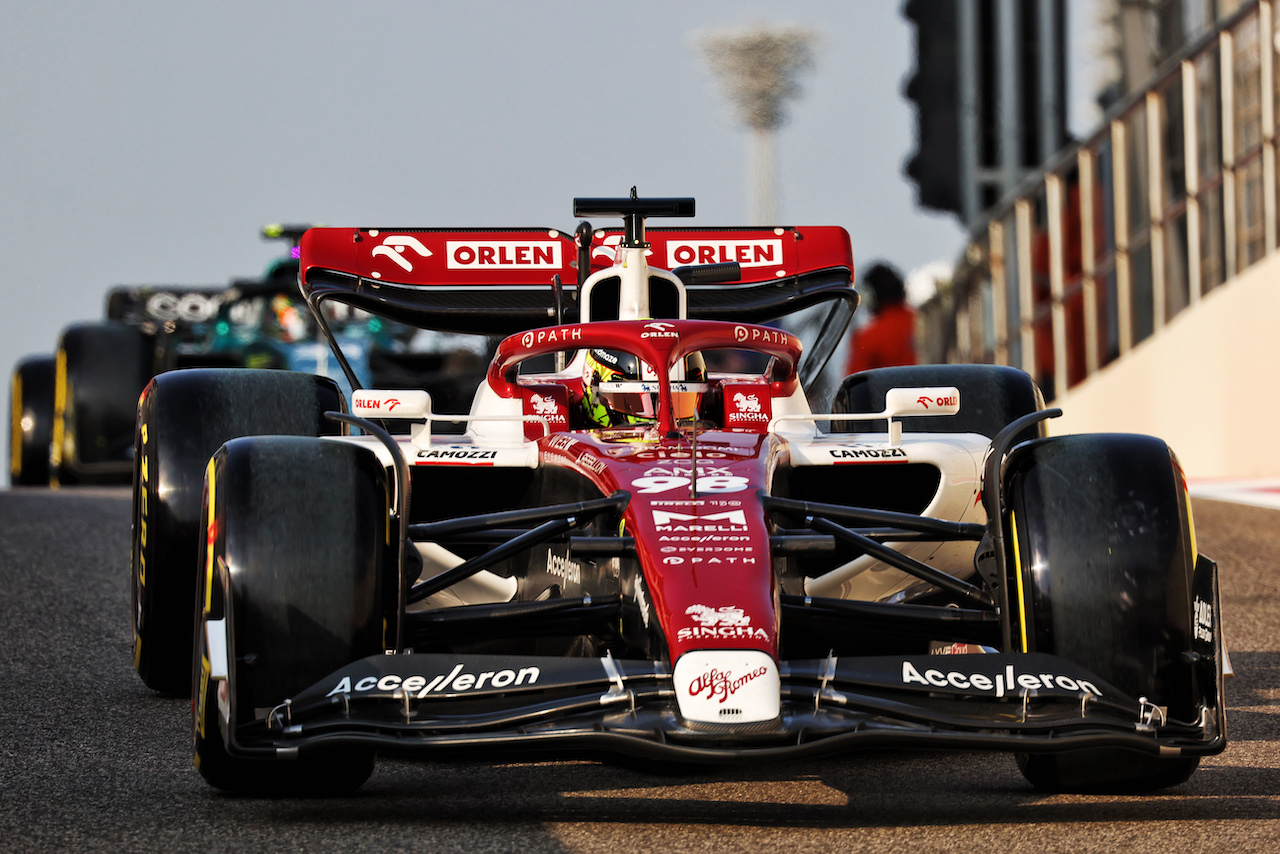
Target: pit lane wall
<point x="1208" y="383"/>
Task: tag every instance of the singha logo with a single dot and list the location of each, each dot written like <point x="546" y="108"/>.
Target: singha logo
<point x="746" y="402"/>
<point x="726" y="615"/>
<point x="544" y="405"/>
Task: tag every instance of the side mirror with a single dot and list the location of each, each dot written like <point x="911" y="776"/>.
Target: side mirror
<point x="412" y="404"/>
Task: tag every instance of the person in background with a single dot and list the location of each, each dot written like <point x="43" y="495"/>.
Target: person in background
<point x="889" y="338"/>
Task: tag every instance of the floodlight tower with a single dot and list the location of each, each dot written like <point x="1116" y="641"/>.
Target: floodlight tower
<point x="758" y="67"/>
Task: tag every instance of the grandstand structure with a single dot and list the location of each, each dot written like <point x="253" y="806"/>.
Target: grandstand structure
<point x="1136" y="276"/>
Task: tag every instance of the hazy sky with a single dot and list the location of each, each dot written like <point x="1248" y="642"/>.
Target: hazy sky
<point x="146" y="142"/>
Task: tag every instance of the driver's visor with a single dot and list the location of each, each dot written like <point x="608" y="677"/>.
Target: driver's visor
<point x="640" y="399"/>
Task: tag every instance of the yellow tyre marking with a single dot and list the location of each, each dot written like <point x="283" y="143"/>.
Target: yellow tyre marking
<point x="15" y="429"/>
<point x="59" y="412"/>
<point x="1017" y="574"/>
<point x="210" y="536"/>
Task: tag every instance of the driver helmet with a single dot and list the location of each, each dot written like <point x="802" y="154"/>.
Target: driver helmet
<point x="287" y="320"/>
<point x="620" y="390"/>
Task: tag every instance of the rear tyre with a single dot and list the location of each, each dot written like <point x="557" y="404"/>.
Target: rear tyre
<point x="1106" y="524"/>
<point x="100" y="371"/>
<point x="991" y="398"/>
<point x="31" y="421"/>
<point x="297" y="581"/>
<point x="182" y="418"/>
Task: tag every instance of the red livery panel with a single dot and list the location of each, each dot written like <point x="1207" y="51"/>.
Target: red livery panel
<point x="411" y="256"/>
<point x="763" y="254"/>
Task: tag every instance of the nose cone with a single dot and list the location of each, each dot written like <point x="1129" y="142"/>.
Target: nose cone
<point x="727" y="686"/>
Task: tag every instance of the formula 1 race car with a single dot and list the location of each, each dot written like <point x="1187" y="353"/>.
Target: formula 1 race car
<point x="72" y="414"/>
<point x="647" y="544"/>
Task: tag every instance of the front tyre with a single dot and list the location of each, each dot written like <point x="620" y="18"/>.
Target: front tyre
<point x="1101" y="553"/>
<point x="991" y="398"/>
<point x="182" y="418"/>
<point x="101" y="369"/>
<point x="31" y="421"/>
<point x="296" y="583"/>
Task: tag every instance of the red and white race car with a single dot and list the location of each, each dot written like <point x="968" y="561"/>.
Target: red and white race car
<point x="648" y="543"/>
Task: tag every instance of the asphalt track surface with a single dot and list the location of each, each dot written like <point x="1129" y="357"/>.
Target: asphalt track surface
<point x="92" y="760"/>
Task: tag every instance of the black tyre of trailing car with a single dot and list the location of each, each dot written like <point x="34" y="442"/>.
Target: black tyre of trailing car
<point x="182" y="418"/>
<point x="31" y="421"/>
<point x="296" y="576"/>
<point x="991" y="397"/>
<point x="1105" y="521"/>
<point x="101" y="369"/>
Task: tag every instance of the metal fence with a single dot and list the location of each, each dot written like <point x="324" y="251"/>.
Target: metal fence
<point x="1173" y="196"/>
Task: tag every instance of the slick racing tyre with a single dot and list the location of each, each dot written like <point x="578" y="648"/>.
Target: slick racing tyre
<point x="182" y="418"/>
<point x="295" y="582"/>
<point x="31" y="421"/>
<point x="101" y="369"/>
<point x="1101" y="549"/>
<point x="991" y="397"/>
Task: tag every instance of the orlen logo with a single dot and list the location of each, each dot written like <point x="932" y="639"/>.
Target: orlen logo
<point x="659" y="330"/>
<point x="388" y="404"/>
<point x="393" y="247"/>
<point x="747" y="253"/>
<point x="608" y="248"/>
<point x="925" y="401"/>
<point x="502" y="254"/>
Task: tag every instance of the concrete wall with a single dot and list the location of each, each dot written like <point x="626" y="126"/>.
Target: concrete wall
<point x="1208" y="383"/>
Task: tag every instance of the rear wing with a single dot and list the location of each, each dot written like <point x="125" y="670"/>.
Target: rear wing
<point x="502" y="281"/>
<point x="151" y="307"/>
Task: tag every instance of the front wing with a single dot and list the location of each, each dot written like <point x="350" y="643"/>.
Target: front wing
<point x="437" y="704"/>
